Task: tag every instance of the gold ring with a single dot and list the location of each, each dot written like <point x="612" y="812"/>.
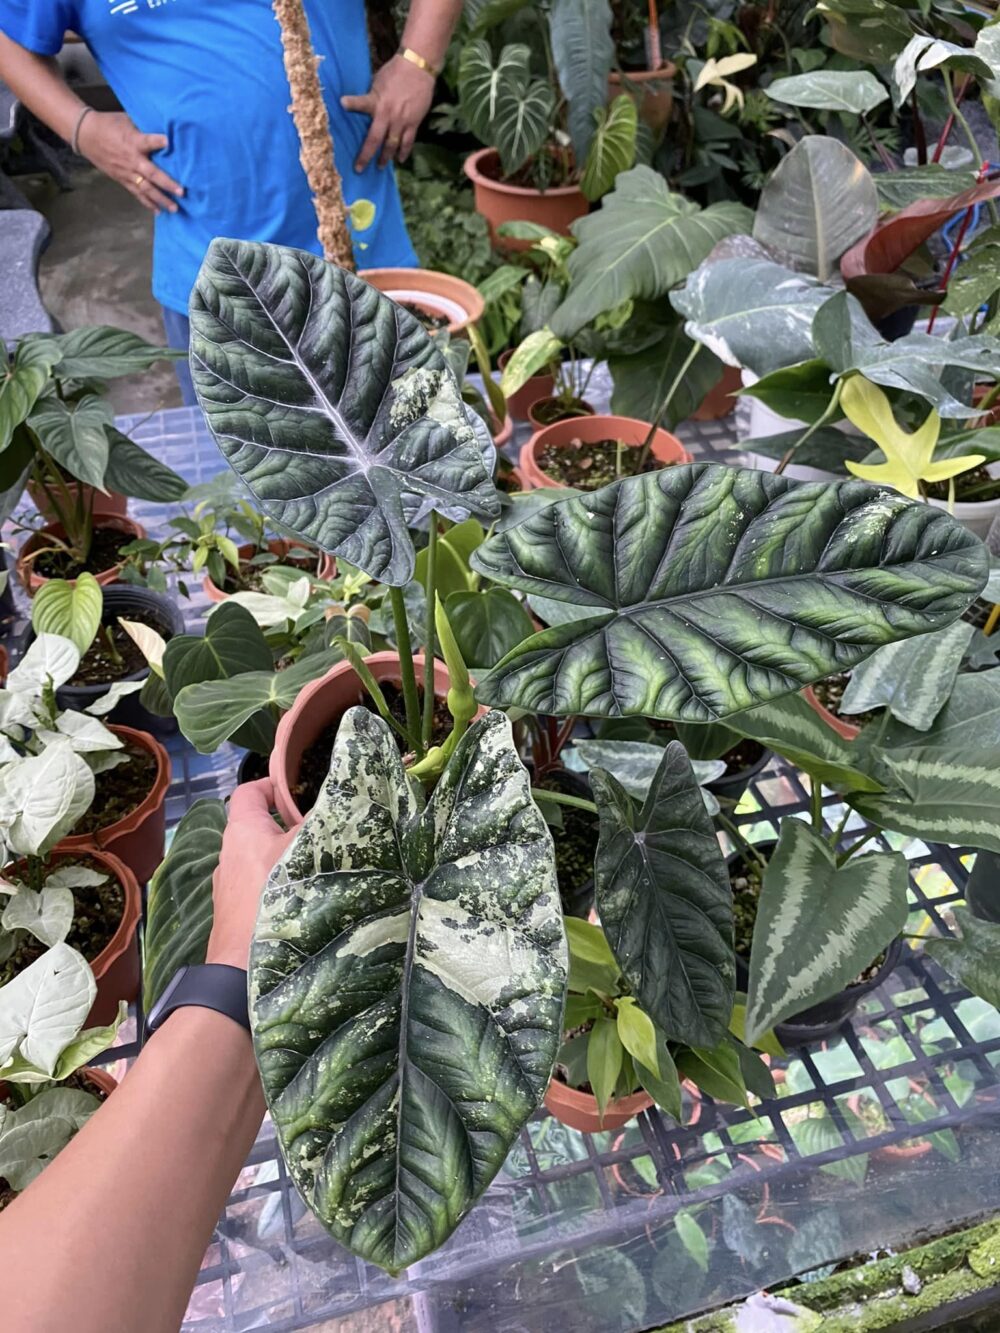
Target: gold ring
<point x="393" y="142"/>
<point x="140" y="180"/>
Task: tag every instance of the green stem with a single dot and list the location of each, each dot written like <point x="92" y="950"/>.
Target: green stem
<point x="838" y="832"/>
<point x="409" y="676"/>
<point x="816" y="803"/>
<point x="865" y="837"/>
<point x="560" y="798"/>
<point x="430" y="589"/>
<point x="655" y="425"/>
<point x="739" y="841"/>
<point x="829" y="412"/>
<point x="970" y="138"/>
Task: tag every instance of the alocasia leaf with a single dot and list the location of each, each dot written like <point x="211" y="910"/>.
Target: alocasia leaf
<point x="972" y="957"/>
<point x="715" y="588"/>
<point x="664" y="900"/>
<point x="938" y="794"/>
<point x="818" y="926"/>
<point x="406" y="986"/>
<point x="332" y="403"/>
<point x="583" y="51"/>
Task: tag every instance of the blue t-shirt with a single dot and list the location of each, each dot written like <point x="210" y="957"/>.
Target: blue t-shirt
<point x="209" y="75"/>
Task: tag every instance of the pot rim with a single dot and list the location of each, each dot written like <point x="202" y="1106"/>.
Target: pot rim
<point x="153" y="799"/>
<point x="472" y="168"/>
<point x="461" y="293"/>
<point x="32" y="581"/>
<point x="586" y="1101"/>
<point x="663" y="440"/>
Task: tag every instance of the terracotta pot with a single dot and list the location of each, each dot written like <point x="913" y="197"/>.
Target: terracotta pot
<point x="323" y="702"/>
<point x="138" y="839"/>
<point x="129" y="529"/>
<point x="579" y="1110"/>
<point x="654" y="98"/>
<point x="436" y="293"/>
<point x="102" y="1081"/>
<point x="531" y="391"/>
<point x="499" y="203"/>
<point x="582" y="409"/>
<point x="278" y="547"/>
<point x="100" y="502"/>
<point x="718" y="401"/>
<point x="515" y="481"/>
<point x="665" y="447"/>
<point x="503" y="435"/>
<point x="847" y="730"/>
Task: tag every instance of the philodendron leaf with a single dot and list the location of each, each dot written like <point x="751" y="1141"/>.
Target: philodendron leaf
<point x="179" y="910"/>
<point x="74" y="434"/>
<point x="938" y="794"/>
<point x="406" y="986"/>
<point x="102" y="352"/>
<point x="44" y="1007"/>
<point x="852" y="90"/>
<point x="72" y="609"/>
<point x="972" y="958"/>
<point x="332" y="403"/>
<point x="716" y="588"/>
<point x="913" y="679"/>
<point x="818" y="927"/>
<point x="612" y="149"/>
<point x="487" y="624"/>
<point x="133" y="471"/>
<point x="664" y="900"/>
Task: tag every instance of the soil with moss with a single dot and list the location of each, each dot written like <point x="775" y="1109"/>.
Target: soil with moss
<point x="830" y="693"/>
<point x="119" y="791"/>
<point x="315" y="763"/>
<point x="432" y="322"/>
<point x="104" y="554"/>
<point x="97" y="914"/>
<point x="588" y="465"/>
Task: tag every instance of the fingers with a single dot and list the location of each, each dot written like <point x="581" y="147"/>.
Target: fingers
<point x="160" y="178"/>
<point x="154" y="199"/>
<point x="152" y="143"/>
<point x="251" y="803"/>
<point x="364" y="103"/>
<point x="406" y="145"/>
<point x="373" y="142"/>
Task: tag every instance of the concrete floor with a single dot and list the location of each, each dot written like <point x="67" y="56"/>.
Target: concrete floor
<point x="97" y="269"/>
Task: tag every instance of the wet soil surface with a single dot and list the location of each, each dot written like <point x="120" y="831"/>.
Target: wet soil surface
<point x="104" y="554"/>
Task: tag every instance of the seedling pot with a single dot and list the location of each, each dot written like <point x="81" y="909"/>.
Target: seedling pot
<point x="731" y="786"/>
<point x="498" y="202"/>
<point x="438" y="294"/>
<point x="32" y="581"/>
<point x="579" y="1109"/>
<point x="326" y="568"/>
<point x="665" y="447"/>
<point x="719" y="402"/>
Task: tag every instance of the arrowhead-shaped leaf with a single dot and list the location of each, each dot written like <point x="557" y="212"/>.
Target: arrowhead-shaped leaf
<point x="818" y="927"/>
<point x="795" y="730"/>
<point x="332" y="403"/>
<point x="406" y="987"/>
<point x="938" y="794"/>
<point x="715" y="588"/>
<point x="913" y="679"/>
<point x="45" y="1006"/>
<point x="852" y="90"/>
<point x="664" y="900"/>
<point x="969" y="720"/>
<point x="583" y="51"/>
<point x="75" y="434"/>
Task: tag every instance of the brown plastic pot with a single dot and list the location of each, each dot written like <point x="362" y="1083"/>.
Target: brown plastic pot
<point x="436" y="293"/>
<point x="100" y="1079"/>
<point x="322" y="703"/>
<point x="138" y="839"/>
<point x="846" y="730"/>
<point x="581" y="408"/>
<point x="280" y="548"/>
<point x="99" y="502"/>
<point x="498" y="202"/>
<point x="654" y="99"/>
<point x="533" y="390"/>
<point x="718" y="402"/>
<point x="579" y="1109"/>
<point x="665" y="447"/>
<point x="128" y="527"/>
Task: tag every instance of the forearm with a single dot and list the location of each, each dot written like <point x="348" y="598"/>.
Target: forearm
<point x="429" y="26"/>
<point x="37" y="81"/>
<point x="140" y="1188"/>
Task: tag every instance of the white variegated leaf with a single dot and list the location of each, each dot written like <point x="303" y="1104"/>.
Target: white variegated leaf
<point x="119" y="690"/>
<point x="42" y="797"/>
<point x="74" y="877"/>
<point x="818" y="926"/>
<point x="913" y="678"/>
<point x="44" y="1007"/>
<point x="939" y="794"/>
<point x="85" y="733"/>
<point x="149" y="641"/>
<point x="50" y="658"/>
<point x="47" y="915"/>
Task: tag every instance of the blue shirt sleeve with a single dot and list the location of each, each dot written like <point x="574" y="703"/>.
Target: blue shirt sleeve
<point x="38" y="25"/>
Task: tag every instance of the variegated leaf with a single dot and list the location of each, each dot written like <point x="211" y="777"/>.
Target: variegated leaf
<point x="973" y="957"/>
<point x="664" y="900"/>
<point x="45" y="1006"/>
<point x="332" y="403"/>
<point x="716" y="588"/>
<point x="818" y="927"/>
<point x="796" y="731"/>
<point x="913" y="679"/>
<point x="42" y="797"/>
<point x="407" y="979"/>
<point x="47" y="915"/>
<point x="938" y="794"/>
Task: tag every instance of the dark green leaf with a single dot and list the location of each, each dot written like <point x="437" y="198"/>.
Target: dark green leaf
<point x="973" y="956"/>
<point x="75" y="435"/>
<point x="827" y="449"/>
<point x="102" y="353"/>
<point x="795" y="730"/>
<point x="664" y="1087"/>
<point x="487" y="624"/>
<point x="22" y="382"/>
<point x="583" y="51"/>
<point x="716" y="1071"/>
<point x="133" y="471"/>
<point x="612" y="148"/>
<point x="802" y="392"/>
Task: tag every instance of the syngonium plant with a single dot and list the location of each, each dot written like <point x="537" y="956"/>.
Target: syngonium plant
<point x="409" y="964"/>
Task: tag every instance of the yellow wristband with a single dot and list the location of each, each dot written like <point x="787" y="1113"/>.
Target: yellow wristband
<point x="416" y="59"/>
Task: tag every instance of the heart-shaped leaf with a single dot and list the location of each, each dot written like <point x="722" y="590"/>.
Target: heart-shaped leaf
<point x="179" y="911"/>
<point x="47" y="915"/>
<point x="643" y="381"/>
<point x="664" y="900"/>
<point x="24" y="379"/>
<point x="42" y="797"/>
<point x="913" y="679"/>
<point x="406" y="987"/>
<point x="75" y="435"/>
<point x="72" y="610"/>
<point x="487" y="624"/>
<point x="45" y="1006"/>
<point x="583" y="51"/>
<point x="612" y="148"/>
<point x="715" y="588"/>
<point x="332" y="403"/>
<point x="33" y="1134"/>
<point x="923" y="53"/>
<point x="855" y="91"/>
<point x="818" y="926"/>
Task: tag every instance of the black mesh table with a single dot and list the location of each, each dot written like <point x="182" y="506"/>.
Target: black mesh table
<point x="881" y="1135"/>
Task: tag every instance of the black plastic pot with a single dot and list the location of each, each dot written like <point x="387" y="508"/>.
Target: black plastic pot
<point x="899" y="323"/>
<point x="253" y="767"/>
<point x="731" y="786"/>
<point x="821" y="1020"/>
<point x="123" y="599"/>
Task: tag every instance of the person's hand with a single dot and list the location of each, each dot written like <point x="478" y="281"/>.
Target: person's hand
<point x="112" y="143"/>
<point x="251" y="845"/>
<point x="400" y="97"/>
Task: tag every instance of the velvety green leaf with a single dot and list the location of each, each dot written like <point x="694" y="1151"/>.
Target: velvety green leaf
<point x="817" y="203"/>
<point x="133" y="471"/>
<point x="795" y="730"/>
<point x="502" y="103"/>
<point x="75" y="435"/>
<point x="339" y="438"/>
<point x="43" y="1008"/>
<point x="664" y="900"/>
<point x="938" y="794"/>
<point x="487" y="624"/>
<point x="908" y="185"/>
<point x="913" y="679"/>
<point x="23" y="380"/>
<point x="973" y="956"/>
<point x="604" y="1060"/>
<point x="70" y="609"/>
<point x="612" y="148"/>
<point x="818" y="927"/>
<point x="583" y="52"/>
<point x="179" y="907"/>
<point x="715" y="588"/>
<point x="406" y="986"/>
<point x="854" y="91"/>
<point x="643" y="241"/>
<point x="643" y="381"/>
<point x="99" y="352"/>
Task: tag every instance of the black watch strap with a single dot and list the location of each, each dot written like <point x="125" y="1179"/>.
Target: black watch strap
<point x="209" y="986"/>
